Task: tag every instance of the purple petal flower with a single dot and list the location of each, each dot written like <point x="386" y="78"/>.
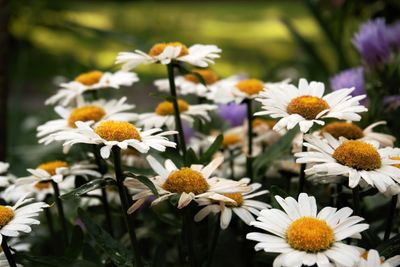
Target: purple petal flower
<point x="372" y="43"/>
<point x="349" y="78"/>
<point x="393" y="34"/>
<point x="233" y="113"/>
<point x="188" y="131"/>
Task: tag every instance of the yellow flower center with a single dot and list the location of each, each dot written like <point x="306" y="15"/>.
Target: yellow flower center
<point x="238" y="197"/>
<point x="117" y="131"/>
<point x="166" y="108"/>
<point x="208" y="76"/>
<point x="52" y="166"/>
<point x="310" y="234"/>
<point x="42" y="185"/>
<point x="396" y="158"/>
<point x="251" y="86"/>
<point x="259" y="122"/>
<point x="157" y="49"/>
<point x="6" y="215"/>
<point x="307" y="106"/>
<point x="345" y="129"/>
<point x="186" y="180"/>
<point x="231" y="139"/>
<point x="85" y="113"/>
<point x="358" y="155"/>
<point x="89" y="78"/>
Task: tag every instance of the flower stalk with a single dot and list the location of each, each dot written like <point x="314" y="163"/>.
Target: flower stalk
<point x="249" y="162"/>
<point x="7" y="252"/>
<point x="302" y="178"/>
<point x="389" y="221"/>
<point x="61" y="213"/>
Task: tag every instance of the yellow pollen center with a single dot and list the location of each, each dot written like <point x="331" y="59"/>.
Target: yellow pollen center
<point x="42" y="185"/>
<point x="396" y="158"/>
<point x="307" y="106"/>
<point x="231" y="139"/>
<point x="50" y="167"/>
<point x="345" y="129"/>
<point x="310" y="234"/>
<point x="166" y="108"/>
<point x="6" y="215"/>
<point x="89" y="78"/>
<point x="251" y="86"/>
<point x="358" y="155"/>
<point x="208" y="76"/>
<point x="117" y="131"/>
<point x="157" y="49"/>
<point x="186" y="180"/>
<point x="85" y="113"/>
<point x="259" y="122"/>
<point x="238" y="197"/>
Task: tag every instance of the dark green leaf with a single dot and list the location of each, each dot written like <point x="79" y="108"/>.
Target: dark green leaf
<point x="52" y="261"/>
<point x="89" y="186"/>
<point x="206" y="157"/>
<point x="277" y="191"/>
<point x="144" y="180"/>
<point x="173" y="155"/>
<point x="274" y="151"/>
<point x="390" y="247"/>
<point x="118" y="254"/>
<point x="191" y="157"/>
<point x="76" y="242"/>
<point x="371" y="240"/>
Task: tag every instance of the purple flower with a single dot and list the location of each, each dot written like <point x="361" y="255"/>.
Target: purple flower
<point x="233" y="113"/>
<point x="349" y="78"/>
<point x="393" y="34"/>
<point x="188" y="131"/>
<point x="372" y="42"/>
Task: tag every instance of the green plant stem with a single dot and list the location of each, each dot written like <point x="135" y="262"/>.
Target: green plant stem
<point x="7" y="252"/>
<point x="102" y="167"/>
<point x="356" y="200"/>
<point x="49" y="217"/>
<point x="124" y="205"/>
<point x="302" y="178"/>
<point x="214" y="242"/>
<point x="60" y="209"/>
<point x="188" y="236"/>
<point x="232" y="164"/>
<point x="178" y="122"/>
<point x="389" y="221"/>
<point x="249" y="162"/>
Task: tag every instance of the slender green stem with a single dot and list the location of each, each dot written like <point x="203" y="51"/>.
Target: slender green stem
<point x="356" y="200"/>
<point x="188" y="236"/>
<point x="232" y="164"/>
<point x="178" y="122"/>
<point x="217" y="230"/>
<point x="249" y="162"/>
<point x="102" y="167"/>
<point x="49" y="217"/>
<point x="389" y="221"/>
<point x="124" y="205"/>
<point x="61" y="213"/>
<point x="7" y="252"/>
<point x="302" y="178"/>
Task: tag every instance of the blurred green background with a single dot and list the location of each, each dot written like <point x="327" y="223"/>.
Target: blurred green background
<point x="54" y="41"/>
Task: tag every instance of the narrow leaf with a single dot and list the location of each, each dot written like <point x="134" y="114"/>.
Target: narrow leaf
<point x="212" y="149"/>
<point x="89" y="186"/>
<point x="144" y="180"/>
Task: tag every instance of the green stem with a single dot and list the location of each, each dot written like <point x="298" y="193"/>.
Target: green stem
<point x="188" y="236"/>
<point x="389" y="221"/>
<point x="124" y="205"/>
<point x="356" y="200"/>
<point x="214" y="242"/>
<point x="178" y="122"/>
<point x="49" y="217"/>
<point x="7" y="252"/>
<point x="232" y="164"/>
<point x="249" y="162"/>
<point x="302" y="178"/>
<point x="60" y="211"/>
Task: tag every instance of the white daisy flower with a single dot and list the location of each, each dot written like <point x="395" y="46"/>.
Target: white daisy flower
<point x="57" y="171"/>
<point x="18" y="218"/>
<point x="116" y="133"/>
<point x="90" y="81"/>
<point x="371" y="258"/>
<point x="356" y="159"/>
<point x="306" y="105"/>
<point x="5" y="178"/>
<point x="190" y="183"/>
<point x="164" y="53"/>
<point x="96" y="111"/>
<point x="304" y="237"/>
<point x="164" y="114"/>
<point x="244" y="207"/>
<point x="352" y="131"/>
<point x="190" y="83"/>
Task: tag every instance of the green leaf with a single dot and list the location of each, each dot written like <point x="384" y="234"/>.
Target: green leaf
<point x="144" y="180"/>
<point x="173" y="155"/>
<point x="76" y="243"/>
<point x="274" y="151"/>
<point x="277" y="191"/>
<point x="53" y="261"/>
<point x="390" y="247"/>
<point x="371" y="240"/>
<point x="118" y="254"/>
<point x="206" y="157"/>
<point x="89" y="186"/>
<point x="191" y="157"/>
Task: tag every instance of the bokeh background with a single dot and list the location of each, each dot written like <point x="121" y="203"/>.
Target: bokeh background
<point x="52" y="41"/>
